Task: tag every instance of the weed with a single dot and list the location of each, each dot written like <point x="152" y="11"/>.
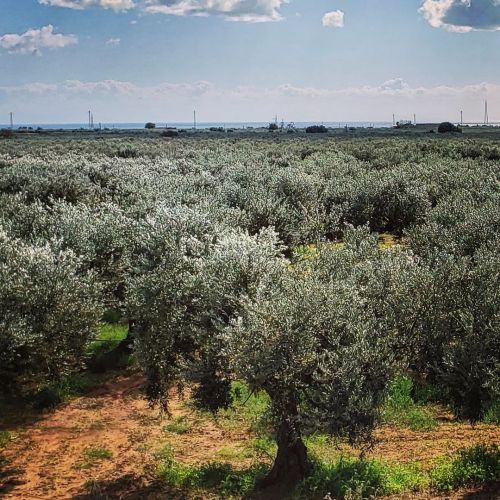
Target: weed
<point x="179" y="426"/>
<point x="355" y="478"/>
<point x="217" y="477"/>
<point x="92" y="456"/>
<point x="401" y="409"/>
<point x="106" y="352"/>
<point x="56" y="393"/>
<point x="492" y="415"/>
<point x="468" y="467"/>
<point x="5" y="438"/>
<point x="108" y="338"/>
<point x="251" y="407"/>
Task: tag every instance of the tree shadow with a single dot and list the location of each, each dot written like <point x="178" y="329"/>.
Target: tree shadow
<point x="488" y="491"/>
<point x="129" y="487"/>
<point x="8" y="476"/>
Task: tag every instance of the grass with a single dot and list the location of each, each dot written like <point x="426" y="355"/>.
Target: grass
<point x="180" y="425"/>
<point x="108" y="338"/>
<point x="103" y="353"/>
<point x="219" y="478"/>
<point x="342" y="478"/>
<point x="51" y="395"/>
<point x="5" y="438"/>
<point x="468" y="467"/>
<point x="492" y="415"/>
<point x="356" y="478"/>
<point x="92" y="456"/>
<point x="248" y="407"/>
<point x="335" y="472"/>
<point x="400" y="409"/>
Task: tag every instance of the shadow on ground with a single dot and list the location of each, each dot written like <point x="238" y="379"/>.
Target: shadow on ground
<point x="490" y="491"/>
<point x="129" y="487"/>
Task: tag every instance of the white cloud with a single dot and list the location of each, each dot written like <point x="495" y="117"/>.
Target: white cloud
<point x="232" y="10"/>
<point x="83" y="4"/>
<point x="34" y="40"/>
<point x="462" y="16"/>
<point x="113" y="41"/>
<point x="334" y="19"/>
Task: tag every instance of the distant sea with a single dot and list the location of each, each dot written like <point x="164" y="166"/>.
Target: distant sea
<point x="234" y="125"/>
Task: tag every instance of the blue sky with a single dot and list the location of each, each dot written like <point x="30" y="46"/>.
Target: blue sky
<point x="243" y="60"/>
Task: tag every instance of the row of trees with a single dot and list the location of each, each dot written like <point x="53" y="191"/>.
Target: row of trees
<point x="194" y="244"/>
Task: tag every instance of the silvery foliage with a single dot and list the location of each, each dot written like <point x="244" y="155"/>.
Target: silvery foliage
<point x="460" y="327"/>
<point x="187" y="277"/>
<point x="466" y="316"/>
<point x="49" y="311"/>
<point x="104" y="200"/>
<point x="324" y="336"/>
<point x="96" y="233"/>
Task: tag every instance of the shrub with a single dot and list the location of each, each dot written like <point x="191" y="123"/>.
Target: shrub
<point x="150" y="125"/>
<point x="447" y="127"/>
<point x="6" y="133"/>
<point x="170" y="133"/>
<point x="272" y="127"/>
<point x="316" y="129"/>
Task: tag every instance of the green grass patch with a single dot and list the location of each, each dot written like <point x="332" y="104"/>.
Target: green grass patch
<point x="51" y="395"/>
<point x="249" y="408"/>
<point x="492" y="415"/>
<point x="357" y="479"/>
<point x="400" y="408"/>
<point x="5" y="438"/>
<point x="92" y="456"/>
<point x="180" y="425"/>
<point x="219" y="478"/>
<point x="468" y="467"/>
<point x="108" y="338"/>
<point x="104" y="353"/>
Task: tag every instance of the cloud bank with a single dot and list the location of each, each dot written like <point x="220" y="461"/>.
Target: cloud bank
<point x="119" y="101"/>
<point x="462" y="16"/>
<point x="34" y="40"/>
<point x="231" y="10"/>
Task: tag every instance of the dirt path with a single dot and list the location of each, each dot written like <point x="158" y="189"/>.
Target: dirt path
<point x="47" y="459"/>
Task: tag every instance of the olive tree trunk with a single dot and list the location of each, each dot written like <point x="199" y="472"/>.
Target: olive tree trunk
<point x="291" y="464"/>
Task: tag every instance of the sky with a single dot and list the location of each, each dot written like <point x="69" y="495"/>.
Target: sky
<point x="248" y="60"/>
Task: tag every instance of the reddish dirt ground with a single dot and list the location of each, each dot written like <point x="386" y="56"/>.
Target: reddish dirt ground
<point x="46" y="458"/>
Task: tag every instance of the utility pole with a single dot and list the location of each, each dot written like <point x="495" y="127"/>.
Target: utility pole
<point x="11" y="120"/>
<point x="461" y="117"/>
<point x="90" y="122"/>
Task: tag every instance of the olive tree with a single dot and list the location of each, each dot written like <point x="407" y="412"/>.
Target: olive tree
<point x="216" y="305"/>
<point x="321" y="340"/>
<point x="49" y="311"/>
<point x="459" y="343"/>
<point x="186" y="277"/>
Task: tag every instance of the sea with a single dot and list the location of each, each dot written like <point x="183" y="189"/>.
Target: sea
<point x="184" y="125"/>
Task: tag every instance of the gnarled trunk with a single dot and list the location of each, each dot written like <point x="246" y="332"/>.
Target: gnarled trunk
<point x="291" y="464"/>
